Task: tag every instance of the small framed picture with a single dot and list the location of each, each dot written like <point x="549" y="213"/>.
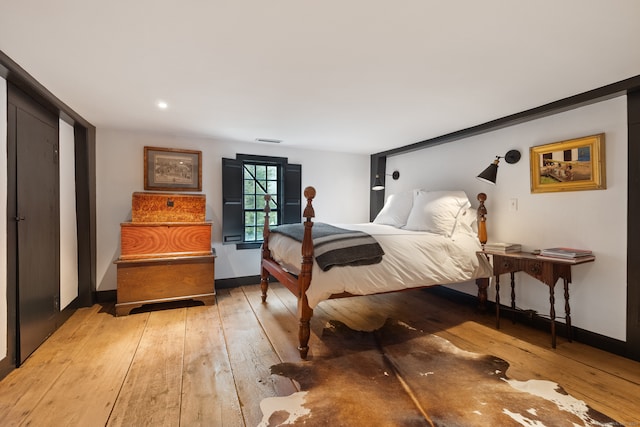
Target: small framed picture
<point x="168" y="169"/>
<point x="572" y="165"/>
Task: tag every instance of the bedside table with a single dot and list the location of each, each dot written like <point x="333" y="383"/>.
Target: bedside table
<point x="546" y="270"/>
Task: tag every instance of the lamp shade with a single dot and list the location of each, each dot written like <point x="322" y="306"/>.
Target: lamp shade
<point x="377" y="184"/>
<point x="490" y="174"/>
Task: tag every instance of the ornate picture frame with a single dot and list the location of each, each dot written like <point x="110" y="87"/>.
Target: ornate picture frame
<point x="170" y="169"/>
<point x="571" y="165"/>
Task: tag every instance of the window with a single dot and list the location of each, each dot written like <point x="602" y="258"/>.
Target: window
<point x="245" y="181"/>
<point x="259" y="179"/>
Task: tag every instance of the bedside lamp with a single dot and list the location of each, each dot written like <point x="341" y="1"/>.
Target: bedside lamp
<point x="377" y="183"/>
<point x="490" y="174"/>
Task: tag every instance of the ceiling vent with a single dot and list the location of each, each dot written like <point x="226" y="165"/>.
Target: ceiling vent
<point x="270" y="141"/>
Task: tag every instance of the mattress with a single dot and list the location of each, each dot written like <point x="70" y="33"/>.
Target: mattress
<point x="412" y="259"/>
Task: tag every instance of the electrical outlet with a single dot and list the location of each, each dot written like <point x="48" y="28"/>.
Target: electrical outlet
<point x="513" y="205"/>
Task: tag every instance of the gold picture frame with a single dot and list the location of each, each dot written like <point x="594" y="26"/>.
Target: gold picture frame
<point x="572" y="165"/>
<point x="169" y="169"/>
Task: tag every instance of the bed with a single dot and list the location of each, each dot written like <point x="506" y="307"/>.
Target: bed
<point x="419" y="239"/>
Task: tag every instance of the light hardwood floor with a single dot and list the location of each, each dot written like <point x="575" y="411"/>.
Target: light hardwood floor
<point x="210" y="365"/>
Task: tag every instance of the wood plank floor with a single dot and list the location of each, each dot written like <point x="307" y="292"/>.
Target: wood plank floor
<point x="209" y="366"/>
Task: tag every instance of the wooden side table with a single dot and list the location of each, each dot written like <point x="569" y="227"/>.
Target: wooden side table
<point x="547" y="271"/>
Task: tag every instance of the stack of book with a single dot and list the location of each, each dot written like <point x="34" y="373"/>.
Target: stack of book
<point x="502" y="247"/>
<point x="567" y="254"/>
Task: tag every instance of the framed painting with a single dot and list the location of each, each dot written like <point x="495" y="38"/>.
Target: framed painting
<point x="168" y="169"/>
<point x="572" y="165"/>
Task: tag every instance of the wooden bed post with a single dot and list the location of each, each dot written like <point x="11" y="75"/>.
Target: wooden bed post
<point x="482" y="219"/>
<point x="304" y="279"/>
<point x="264" y="274"/>
<point x="482" y="283"/>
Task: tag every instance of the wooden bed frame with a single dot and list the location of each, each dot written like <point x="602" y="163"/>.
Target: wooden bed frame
<point x="299" y="284"/>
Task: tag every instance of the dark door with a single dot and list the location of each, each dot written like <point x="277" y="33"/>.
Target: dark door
<point x="35" y="203"/>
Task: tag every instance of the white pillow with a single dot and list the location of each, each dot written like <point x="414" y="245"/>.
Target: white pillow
<point x="468" y="221"/>
<point x="396" y="209"/>
<point x="437" y="211"/>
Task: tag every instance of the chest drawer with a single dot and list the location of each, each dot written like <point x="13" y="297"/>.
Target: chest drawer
<point x="150" y="240"/>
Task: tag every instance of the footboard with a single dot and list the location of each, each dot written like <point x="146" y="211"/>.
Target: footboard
<point x="297" y="285"/>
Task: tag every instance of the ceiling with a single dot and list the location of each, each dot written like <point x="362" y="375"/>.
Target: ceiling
<point x="359" y="76"/>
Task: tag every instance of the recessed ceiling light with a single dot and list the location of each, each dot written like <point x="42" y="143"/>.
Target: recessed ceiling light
<point x="162" y="105"/>
<point x="271" y="141"/>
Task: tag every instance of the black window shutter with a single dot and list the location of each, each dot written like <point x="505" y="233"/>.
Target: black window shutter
<point x="292" y="211"/>
<point x="232" y="215"/>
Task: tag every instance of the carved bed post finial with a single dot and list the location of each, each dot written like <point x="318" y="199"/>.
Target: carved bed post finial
<point x="482" y="219"/>
<point x="266" y="254"/>
<point x="309" y="194"/>
<point x="304" y="279"/>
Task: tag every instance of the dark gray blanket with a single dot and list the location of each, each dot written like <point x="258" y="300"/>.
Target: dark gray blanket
<point x="334" y="246"/>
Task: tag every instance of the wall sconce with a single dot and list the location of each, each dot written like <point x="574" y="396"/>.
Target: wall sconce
<point x="490" y="174"/>
<point x="377" y="183"/>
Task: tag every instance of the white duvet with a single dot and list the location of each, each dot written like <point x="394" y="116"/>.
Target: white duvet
<point x="412" y="259"/>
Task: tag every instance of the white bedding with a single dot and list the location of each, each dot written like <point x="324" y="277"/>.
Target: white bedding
<point x="412" y="259"/>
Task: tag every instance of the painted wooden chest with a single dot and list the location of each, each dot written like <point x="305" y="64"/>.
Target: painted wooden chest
<point x="156" y="239"/>
<point x="165" y="252"/>
<point x="168" y="207"/>
<point x="156" y="280"/>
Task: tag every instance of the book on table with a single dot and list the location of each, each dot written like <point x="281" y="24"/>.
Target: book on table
<point x="568" y="253"/>
<point x="575" y="260"/>
<point x="502" y="247"/>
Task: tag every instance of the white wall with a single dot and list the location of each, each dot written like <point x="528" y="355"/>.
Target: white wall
<point x="596" y="220"/>
<point x="68" y="224"/>
<point x="341" y="181"/>
<point x="3" y="218"/>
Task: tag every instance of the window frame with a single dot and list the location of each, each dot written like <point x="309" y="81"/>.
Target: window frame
<point x="280" y="163"/>
<point x="289" y="200"/>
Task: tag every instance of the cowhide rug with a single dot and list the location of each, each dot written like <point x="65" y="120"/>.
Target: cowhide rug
<point x="400" y="376"/>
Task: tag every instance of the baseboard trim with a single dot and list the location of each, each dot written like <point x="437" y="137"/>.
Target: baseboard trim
<point x="524" y="317"/>
<point x="105" y="296"/>
<point x="6" y="366"/>
<point x="235" y="282"/>
<point x="536" y="321"/>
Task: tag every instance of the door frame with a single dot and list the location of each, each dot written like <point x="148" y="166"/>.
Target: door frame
<point x="85" y="150"/>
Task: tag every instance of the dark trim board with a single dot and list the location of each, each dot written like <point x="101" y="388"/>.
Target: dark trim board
<point x="629" y="87"/>
<point x="85" y="148"/>
<point x="111" y="295"/>
<point x="378" y="160"/>
<point x="11" y="71"/>
<point x="576" y="101"/>
<point x="6" y="366"/>
<point x="523" y="317"/>
<point x="235" y="282"/>
<point x="633" y="228"/>
<point x="532" y="319"/>
<point x="105" y="296"/>
<point x="378" y="166"/>
<point x="85" y="141"/>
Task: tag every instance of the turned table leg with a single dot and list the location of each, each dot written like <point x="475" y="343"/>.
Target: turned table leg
<point x="513" y="296"/>
<point x="552" y="314"/>
<point x="567" y="309"/>
<point x="497" y="301"/>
